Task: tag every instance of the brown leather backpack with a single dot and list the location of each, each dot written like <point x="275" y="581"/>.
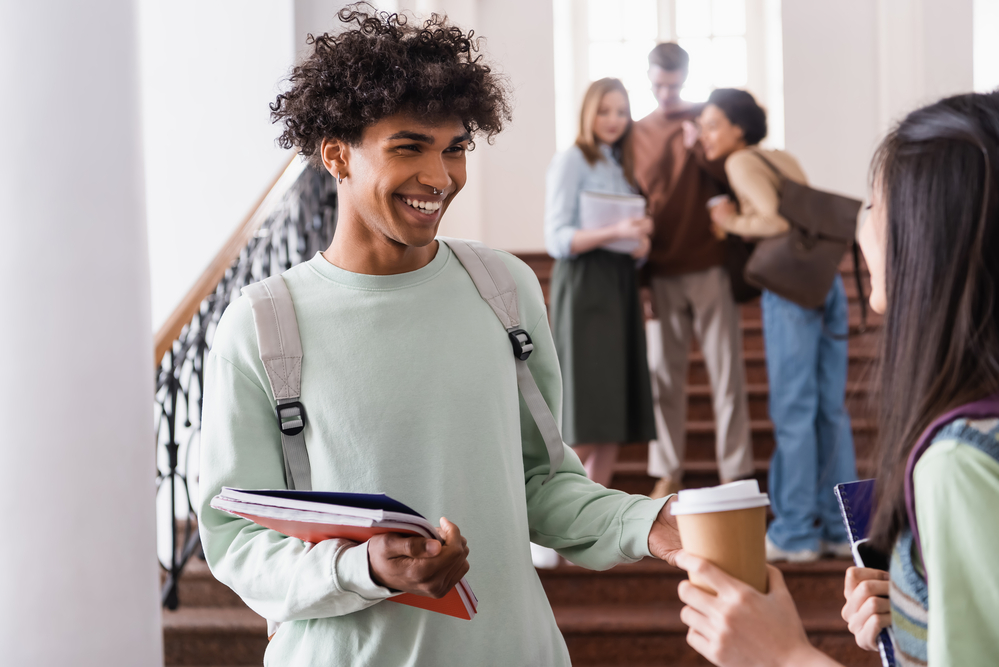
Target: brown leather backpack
<point x="801" y="264"/>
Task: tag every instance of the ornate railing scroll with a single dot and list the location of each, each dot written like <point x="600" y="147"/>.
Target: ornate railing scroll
<point x="291" y="227"/>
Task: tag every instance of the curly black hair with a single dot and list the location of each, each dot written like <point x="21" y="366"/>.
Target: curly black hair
<point x="384" y="66"/>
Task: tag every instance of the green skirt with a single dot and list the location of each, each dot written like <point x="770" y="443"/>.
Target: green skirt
<point x="599" y="332"/>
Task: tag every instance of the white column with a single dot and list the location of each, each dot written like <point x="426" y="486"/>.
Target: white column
<point x="78" y="572"/>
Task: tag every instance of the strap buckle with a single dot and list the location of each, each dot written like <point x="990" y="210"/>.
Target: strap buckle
<point x="522" y="344"/>
<point x="291" y="418"/>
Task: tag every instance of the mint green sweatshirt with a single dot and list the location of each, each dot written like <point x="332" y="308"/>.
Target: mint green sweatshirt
<point x="410" y="388"/>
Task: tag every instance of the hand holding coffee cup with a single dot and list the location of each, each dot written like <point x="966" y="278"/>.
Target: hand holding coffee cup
<point x="721" y="208"/>
<point x="727" y="526"/>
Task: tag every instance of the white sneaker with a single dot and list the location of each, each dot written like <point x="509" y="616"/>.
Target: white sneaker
<point x="544" y="558"/>
<point x="775" y="554"/>
<point x="836" y="549"/>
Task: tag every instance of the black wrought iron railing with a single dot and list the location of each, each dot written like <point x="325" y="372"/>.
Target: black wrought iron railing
<point x="293" y="222"/>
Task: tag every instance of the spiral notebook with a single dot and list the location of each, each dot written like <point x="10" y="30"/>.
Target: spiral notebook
<point x="856" y="504"/>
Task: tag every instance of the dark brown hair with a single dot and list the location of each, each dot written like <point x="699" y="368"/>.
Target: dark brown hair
<point x="587" y="141"/>
<point x="383" y="66"/>
<point x="742" y="111"/>
<point x="936" y="173"/>
<point x="670" y="56"/>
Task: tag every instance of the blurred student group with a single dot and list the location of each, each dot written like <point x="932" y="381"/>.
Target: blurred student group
<point x="651" y="222"/>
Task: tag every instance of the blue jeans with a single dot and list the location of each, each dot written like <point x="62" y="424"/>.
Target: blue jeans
<point x="807" y="370"/>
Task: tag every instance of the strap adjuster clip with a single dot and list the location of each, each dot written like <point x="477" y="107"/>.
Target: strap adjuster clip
<point x="291" y="418"/>
<point x="522" y="344"/>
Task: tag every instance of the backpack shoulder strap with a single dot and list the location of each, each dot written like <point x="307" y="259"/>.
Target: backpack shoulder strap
<point x="986" y="407"/>
<point x="281" y="353"/>
<point x="777" y="172"/>
<point x="498" y="288"/>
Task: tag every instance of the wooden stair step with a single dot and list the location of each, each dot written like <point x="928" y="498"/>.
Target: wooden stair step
<point x="199" y="588"/>
<point x="859" y="366"/>
<point x="701" y="440"/>
<point x="700" y="398"/>
<point x="654" y="634"/>
<point x="652" y="581"/>
<point x="213" y="635"/>
<point x="633" y="476"/>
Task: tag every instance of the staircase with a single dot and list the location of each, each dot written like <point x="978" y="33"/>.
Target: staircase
<point x="630" y="615"/>
<point x="625" y="616"/>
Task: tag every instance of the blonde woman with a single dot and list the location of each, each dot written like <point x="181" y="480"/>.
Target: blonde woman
<point x="596" y="317"/>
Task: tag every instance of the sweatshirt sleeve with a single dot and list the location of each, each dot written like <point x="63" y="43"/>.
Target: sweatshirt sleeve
<point x="758" y="198"/>
<point x="588" y="524"/>
<point x="956" y="488"/>
<point x="281" y="578"/>
<point x="563" y="183"/>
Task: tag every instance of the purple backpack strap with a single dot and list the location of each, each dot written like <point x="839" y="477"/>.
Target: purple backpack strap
<point x="986" y="407"/>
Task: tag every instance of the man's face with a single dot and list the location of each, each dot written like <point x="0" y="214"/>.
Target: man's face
<point x="395" y="169"/>
<point x="666" y="85"/>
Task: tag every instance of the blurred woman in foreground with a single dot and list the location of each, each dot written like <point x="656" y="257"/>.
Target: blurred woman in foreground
<point x="931" y="243"/>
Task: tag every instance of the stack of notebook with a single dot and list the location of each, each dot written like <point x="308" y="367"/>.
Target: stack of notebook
<point x="314" y="516"/>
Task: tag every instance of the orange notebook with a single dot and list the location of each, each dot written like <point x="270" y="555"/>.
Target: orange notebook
<point x="314" y="516"/>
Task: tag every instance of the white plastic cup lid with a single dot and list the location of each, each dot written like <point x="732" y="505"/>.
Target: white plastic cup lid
<point x="725" y="498"/>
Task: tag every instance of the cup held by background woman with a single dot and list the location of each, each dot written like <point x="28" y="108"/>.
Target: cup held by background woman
<point x="597" y="319"/>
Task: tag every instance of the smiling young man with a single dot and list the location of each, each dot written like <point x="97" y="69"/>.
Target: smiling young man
<point x="410" y="384"/>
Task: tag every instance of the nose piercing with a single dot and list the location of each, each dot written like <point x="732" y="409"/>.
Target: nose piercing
<point x="436" y="191"/>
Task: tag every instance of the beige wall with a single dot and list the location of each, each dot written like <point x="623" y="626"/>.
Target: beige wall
<point x="502" y="204"/>
<point x="208" y="71"/>
<point x="854" y="67"/>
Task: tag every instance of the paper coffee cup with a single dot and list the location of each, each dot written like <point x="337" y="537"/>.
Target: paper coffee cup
<point x="717" y="199"/>
<point x="726" y="525"/>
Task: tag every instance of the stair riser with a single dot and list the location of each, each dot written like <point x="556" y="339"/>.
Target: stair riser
<point x="198" y="591"/>
<point x="859" y="369"/>
<point x="696" y="479"/>
<point x="701" y="446"/>
<point x="699" y="406"/>
<point x="217" y="647"/>
<point x="659" y="588"/>
<point x="672" y="649"/>
<point x="752" y="339"/>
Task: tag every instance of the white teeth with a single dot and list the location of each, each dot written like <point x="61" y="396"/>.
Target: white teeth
<point x="425" y="206"/>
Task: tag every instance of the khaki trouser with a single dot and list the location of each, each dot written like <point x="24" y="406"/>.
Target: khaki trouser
<point x="700" y="303"/>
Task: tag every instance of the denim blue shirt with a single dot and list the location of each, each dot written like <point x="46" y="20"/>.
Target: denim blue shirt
<point x="569" y="175"/>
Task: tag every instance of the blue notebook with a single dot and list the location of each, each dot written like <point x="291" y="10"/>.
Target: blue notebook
<point x="856" y="504"/>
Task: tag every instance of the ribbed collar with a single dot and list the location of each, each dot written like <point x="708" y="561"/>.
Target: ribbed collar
<point x="397" y="281"/>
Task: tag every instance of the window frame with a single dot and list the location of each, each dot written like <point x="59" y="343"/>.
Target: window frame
<point x="764" y="66"/>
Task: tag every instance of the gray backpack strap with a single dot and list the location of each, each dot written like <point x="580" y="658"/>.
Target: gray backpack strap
<point x="281" y="352"/>
<point x="498" y="288"/>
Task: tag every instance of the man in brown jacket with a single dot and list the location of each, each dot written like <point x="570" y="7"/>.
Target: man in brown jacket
<point x="690" y="287"/>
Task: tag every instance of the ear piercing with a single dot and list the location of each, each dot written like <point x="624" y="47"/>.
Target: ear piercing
<point x="339" y="178"/>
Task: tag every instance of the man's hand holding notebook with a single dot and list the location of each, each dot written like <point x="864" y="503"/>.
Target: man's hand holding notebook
<point x="419" y="565"/>
<point x="405" y="552"/>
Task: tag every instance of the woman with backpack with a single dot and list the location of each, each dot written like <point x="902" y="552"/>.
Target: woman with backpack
<point x="806" y="348"/>
<point x="930" y="241"/>
<point x="597" y="319"/>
